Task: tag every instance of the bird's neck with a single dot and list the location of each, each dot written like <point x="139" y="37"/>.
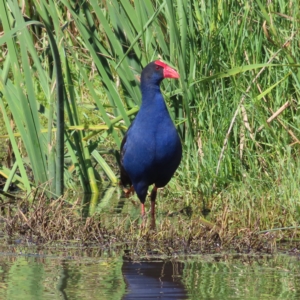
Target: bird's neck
<point x="151" y="96"/>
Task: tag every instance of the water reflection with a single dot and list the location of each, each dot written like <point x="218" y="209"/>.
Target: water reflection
<point x="77" y="274"/>
<point x="243" y="277"/>
<point x="154" y="280"/>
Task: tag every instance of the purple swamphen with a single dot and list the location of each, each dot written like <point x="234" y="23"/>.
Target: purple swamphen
<point x="151" y="149"/>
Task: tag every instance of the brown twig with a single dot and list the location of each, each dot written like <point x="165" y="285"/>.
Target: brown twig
<point x="275" y="115"/>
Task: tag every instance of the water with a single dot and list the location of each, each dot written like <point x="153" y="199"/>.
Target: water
<point x="94" y="274"/>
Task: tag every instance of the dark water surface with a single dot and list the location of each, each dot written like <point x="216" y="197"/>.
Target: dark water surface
<point x="92" y="274"/>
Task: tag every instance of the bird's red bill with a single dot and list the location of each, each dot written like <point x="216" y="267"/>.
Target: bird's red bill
<point x="168" y="71"/>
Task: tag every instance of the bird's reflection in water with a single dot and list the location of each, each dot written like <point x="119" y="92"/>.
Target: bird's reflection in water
<point x="153" y="280"/>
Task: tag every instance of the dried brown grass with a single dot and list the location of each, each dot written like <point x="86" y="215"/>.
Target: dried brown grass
<point x="44" y="223"/>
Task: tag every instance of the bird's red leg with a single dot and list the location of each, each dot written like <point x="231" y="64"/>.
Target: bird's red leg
<point x="153" y="197"/>
<point x="153" y="208"/>
<point x="143" y="209"/>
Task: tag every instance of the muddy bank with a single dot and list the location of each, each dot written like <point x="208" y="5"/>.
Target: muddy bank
<point x="44" y="223"/>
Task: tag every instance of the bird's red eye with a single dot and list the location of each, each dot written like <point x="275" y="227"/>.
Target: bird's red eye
<point x="157" y="67"/>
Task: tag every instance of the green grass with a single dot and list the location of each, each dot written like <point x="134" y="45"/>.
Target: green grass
<point x="238" y="65"/>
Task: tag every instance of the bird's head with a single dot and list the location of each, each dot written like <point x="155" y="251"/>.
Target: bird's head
<point x="156" y="71"/>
